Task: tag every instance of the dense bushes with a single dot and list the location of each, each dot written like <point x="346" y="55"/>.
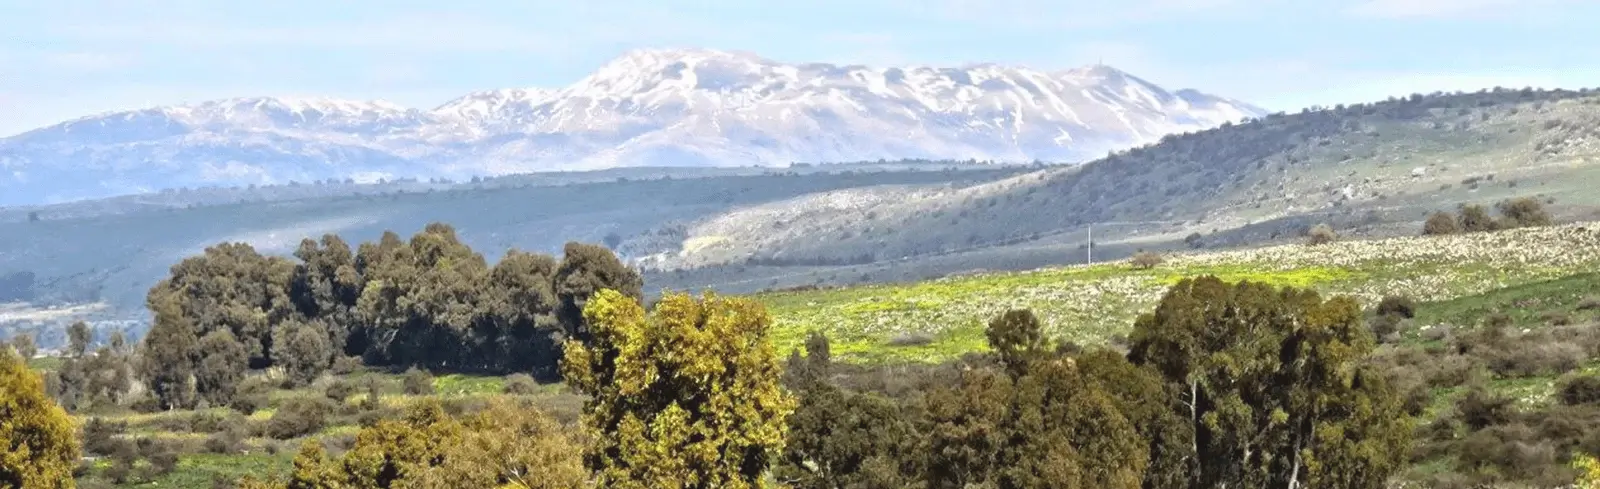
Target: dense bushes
<point x="299" y="417"/>
<point x="431" y="302"/>
<point x="1514" y="213"/>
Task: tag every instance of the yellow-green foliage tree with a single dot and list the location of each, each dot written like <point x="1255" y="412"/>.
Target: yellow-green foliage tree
<point x="1588" y="471"/>
<point x="38" y="443"/>
<point x="505" y="446"/>
<point x="688" y="397"/>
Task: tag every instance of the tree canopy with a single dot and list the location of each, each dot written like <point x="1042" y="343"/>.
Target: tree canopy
<point x="686" y="397"/>
<point x="39" y="445"/>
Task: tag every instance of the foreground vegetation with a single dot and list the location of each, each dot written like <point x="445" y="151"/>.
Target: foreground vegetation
<point x="1457" y="360"/>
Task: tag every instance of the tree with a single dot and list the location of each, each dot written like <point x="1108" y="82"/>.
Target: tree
<point x="612" y="240"/>
<point x="1439" y="224"/>
<point x="1274" y="386"/>
<point x="78" y="338"/>
<point x="170" y="353"/>
<point x="33" y="216"/>
<point x="302" y="350"/>
<point x="1475" y="218"/>
<point x="223" y="363"/>
<point x="1194" y="241"/>
<point x="688" y="397"/>
<point x="1523" y="212"/>
<point x="231" y="286"/>
<point x="24" y="346"/>
<point x="504" y="446"/>
<point x="585" y="270"/>
<point x="39" y="445"/>
<point x="1145" y="260"/>
<point x="1018" y="341"/>
<point x="839" y="439"/>
<point x="1321" y="234"/>
<point x="1395" y="305"/>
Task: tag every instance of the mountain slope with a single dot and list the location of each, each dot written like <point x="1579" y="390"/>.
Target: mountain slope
<point x="1357" y="167"/>
<point x="645" y="108"/>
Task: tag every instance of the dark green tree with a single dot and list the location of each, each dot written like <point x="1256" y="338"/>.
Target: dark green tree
<point x="1018" y="340"/>
<point x="78" y="338"/>
<point x="585" y="270"/>
<point x="302" y="350"/>
<point x="223" y="363"/>
<point x="1275" y="386"/>
<point x="170" y="352"/>
<point x="839" y="439"/>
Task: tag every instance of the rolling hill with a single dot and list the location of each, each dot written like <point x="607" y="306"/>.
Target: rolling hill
<point x="1373" y="169"/>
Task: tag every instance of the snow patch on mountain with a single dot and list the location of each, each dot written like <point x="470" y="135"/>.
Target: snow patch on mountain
<point x="648" y="107"/>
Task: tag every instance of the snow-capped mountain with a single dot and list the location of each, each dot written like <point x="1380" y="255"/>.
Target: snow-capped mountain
<point x="652" y="107"/>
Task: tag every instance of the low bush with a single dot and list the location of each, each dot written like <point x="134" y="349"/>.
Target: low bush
<point x="299" y="417"/>
<point x="521" y="385"/>
<point x="339" y="390"/>
<point x="418" y="382"/>
<point x="1580" y="389"/>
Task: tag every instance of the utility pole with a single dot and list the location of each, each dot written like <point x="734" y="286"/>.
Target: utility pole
<point x="1090" y="248"/>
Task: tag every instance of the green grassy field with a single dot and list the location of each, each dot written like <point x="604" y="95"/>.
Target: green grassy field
<point x="941" y="319"/>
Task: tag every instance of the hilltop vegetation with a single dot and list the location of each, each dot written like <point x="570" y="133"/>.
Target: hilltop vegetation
<point x="112" y="259"/>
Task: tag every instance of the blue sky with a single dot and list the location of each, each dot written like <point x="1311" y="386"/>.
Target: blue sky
<point x="62" y="59"/>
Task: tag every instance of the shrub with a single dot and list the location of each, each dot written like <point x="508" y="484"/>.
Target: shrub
<point x="1145" y="260"/>
<point x="1531" y="359"/>
<point x="299" y="417"/>
<point x="1398" y="306"/>
<point x="1474" y="219"/>
<point x="1556" y="318"/>
<point x="1321" y="234"/>
<point x="225" y="442"/>
<point x="1385" y="325"/>
<point x="1481" y="409"/>
<point x="521" y="384"/>
<point x="163" y="458"/>
<point x="911" y="339"/>
<point x="339" y="390"/>
<point x="345" y="365"/>
<point x="254" y="393"/>
<point x="1439" y="224"/>
<point x="418" y="382"/>
<point x="1523" y="212"/>
<point x="100" y="436"/>
<point x="1590" y="303"/>
<point x="1582" y="389"/>
<point x="212" y="422"/>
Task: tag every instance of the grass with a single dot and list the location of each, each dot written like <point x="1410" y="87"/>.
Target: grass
<point x="1524" y="305"/>
<point x="1089" y="305"/>
<point x="201" y="470"/>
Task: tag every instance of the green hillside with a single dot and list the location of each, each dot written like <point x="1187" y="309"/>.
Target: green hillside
<point x="1359" y="167"/>
<point x="941" y="319"/>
